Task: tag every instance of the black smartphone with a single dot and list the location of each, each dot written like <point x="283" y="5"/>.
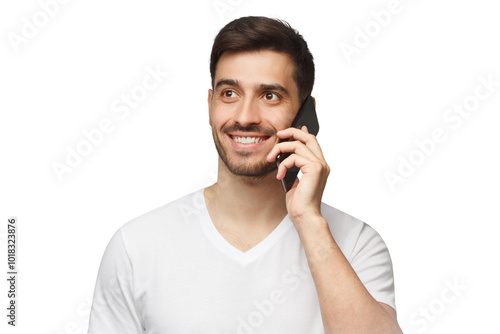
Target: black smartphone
<point x="306" y="116"/>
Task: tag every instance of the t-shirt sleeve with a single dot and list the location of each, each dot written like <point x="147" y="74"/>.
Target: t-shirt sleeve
<point x="372" y="262"/>
<point x="113" y="307"/>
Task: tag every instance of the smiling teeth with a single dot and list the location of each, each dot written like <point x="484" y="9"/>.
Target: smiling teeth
<point x="247" y="140"/>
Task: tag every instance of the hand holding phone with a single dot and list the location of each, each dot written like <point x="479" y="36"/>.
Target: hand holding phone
<point x="305" y="116"/>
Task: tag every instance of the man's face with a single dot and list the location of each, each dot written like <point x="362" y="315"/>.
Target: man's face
<point x="254" y="96"/>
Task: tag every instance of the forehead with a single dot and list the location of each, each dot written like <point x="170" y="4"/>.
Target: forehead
<point x="256" y="68"/>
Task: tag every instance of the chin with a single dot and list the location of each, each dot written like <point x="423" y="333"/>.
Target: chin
<point x="256" y="171"/>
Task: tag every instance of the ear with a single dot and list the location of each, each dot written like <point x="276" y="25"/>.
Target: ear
<point x="209" y="101"/>
<point x="314" y="99"/>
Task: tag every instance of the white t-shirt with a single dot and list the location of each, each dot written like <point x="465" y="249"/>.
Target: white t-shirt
<point x="171" y="271"/>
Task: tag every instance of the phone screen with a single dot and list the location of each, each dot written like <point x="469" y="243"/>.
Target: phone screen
<point x="305" y="116"/>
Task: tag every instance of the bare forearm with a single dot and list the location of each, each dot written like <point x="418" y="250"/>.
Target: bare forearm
<point x="346" y="305"/>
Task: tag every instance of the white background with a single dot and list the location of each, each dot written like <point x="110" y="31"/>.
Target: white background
<point x="440" y="224"/>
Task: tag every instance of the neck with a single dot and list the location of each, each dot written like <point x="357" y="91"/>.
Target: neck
<point x="244" y="202"/>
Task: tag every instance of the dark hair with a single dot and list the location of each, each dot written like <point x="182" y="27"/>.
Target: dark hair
<point x="257" y="33"/>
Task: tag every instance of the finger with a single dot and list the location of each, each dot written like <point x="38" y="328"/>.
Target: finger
<point x="306" y="165"/>
<point x="305" y="137"/>
<point x="291" y="147"/>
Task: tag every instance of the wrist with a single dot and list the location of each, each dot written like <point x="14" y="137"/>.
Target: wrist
<point x="313" y="222"/>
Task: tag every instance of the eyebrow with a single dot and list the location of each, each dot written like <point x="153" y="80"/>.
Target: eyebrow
<point x="262" y="87"/>
<point x="275" y="87"/>
<point x="227" y="82"/>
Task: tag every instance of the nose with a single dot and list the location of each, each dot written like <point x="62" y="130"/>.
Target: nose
<point x="248" y="113"/>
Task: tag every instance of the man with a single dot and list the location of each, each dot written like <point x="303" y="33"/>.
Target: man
<point x="243" y="256"/>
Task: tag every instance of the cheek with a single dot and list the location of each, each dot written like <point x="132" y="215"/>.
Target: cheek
<point x="218" y="115"/>
<point x="278" y="118"/>
<point x="285" y="121"/>
<point x="219" y="121"/>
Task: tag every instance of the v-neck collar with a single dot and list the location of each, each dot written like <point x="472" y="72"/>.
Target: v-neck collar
<point x="228" y="249"/>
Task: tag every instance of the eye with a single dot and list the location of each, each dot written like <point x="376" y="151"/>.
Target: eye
<point x="229" y="94"/>
<point x="269" y="96"/>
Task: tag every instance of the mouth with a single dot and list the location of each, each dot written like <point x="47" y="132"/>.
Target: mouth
<point x="248" y="139"/>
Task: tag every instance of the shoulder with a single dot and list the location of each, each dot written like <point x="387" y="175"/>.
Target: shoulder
<point x="351" y="234"/>
<point x="167" y="221"/>
<point x="366" y="251"/>
<point x="179" y="209"/>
